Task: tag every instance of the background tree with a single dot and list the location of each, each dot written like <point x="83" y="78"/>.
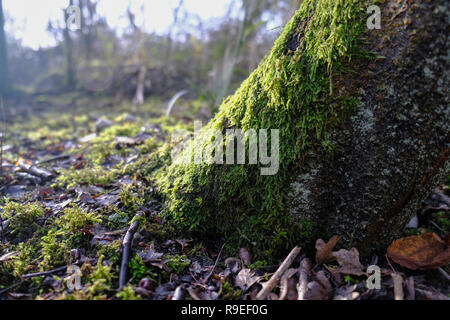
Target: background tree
<point x="69" y="62"/>
<point x="4" y="68"/>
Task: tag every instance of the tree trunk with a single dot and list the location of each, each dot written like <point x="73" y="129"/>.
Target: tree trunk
<point x="4" y="72"/>
<point x="69" y="66"/>
<point x="139" y="98"/>
<point x="363" y="139"/>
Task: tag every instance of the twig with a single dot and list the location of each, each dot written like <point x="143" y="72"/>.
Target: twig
<point x="444" y="274"/>
<point x="3" y="291"/>
<point x="62" y="157"/>
<point x="398" y="286"/>
<point x="429" y="295"/>
<point x="127" y="241"/>
<point x="215" y="264"/>
<point x="304" y="272"/>
<point x="46" y="273"/>
<point x="271" y="284"/>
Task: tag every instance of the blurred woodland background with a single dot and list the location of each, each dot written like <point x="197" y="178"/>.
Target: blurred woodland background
<point x="205" y="59"/>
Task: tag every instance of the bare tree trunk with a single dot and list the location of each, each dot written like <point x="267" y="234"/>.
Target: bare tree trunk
<point x="140" y="89"/>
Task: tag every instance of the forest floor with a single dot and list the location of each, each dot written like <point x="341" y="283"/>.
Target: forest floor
<point x="75" y="185"/>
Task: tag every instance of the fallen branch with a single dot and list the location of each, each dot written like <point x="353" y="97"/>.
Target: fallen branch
<point x="127" y="241"/>
<point x="411" y="293"/>
<point x="35" y="171"/>
<point x="272" y="283"/>
<point x="303" y="275"/>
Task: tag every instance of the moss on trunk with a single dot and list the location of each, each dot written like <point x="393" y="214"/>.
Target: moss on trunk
<point x="291" y="90"/>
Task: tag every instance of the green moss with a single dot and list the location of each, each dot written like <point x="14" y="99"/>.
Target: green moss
<point x="22" y="217"/>
<point x="229" y="293"/>
<point x="24" y="262"/>
<point x="292" y="90"/>
<point x="110" y="251"/>
<point x="132" y="199"/>
<point x="100" y="280"/>
<point x="87" y="176"/>
<point x="128" y="294"/>
<point x="54" y="250"/>
<point x="74" y="218"/>
<point x="178" y="264"/>
<point x="138" y="270"/>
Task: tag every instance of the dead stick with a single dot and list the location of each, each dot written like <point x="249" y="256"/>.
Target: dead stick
<point x="215" y="264"/>
<point x="46" y="273"/>
<point x="398" y="286"/>
<point x="429" y="295"/>
<point x="37" y="172"/>
<point x="444" y="274"/>
<point x="127" y="241"/>
<point x="411" y="293"/>
<point x="271" y="284"/>
<point x="304" y="272"/>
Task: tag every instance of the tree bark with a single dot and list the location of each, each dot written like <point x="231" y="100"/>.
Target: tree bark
<point x="361" y="178"/>
<point x="396" y="149"/>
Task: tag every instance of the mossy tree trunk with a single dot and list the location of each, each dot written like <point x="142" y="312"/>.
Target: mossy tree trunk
<point x="363" y="137"/>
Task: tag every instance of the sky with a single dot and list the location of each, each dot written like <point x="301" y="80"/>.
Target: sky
<point x="28" y="19"/>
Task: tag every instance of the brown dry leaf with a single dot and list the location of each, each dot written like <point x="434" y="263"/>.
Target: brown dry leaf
<point x="324" y="250"/>
<point x="349" y="262"/>
<point x="426" y="251"/>
<point x="320" y="288"/>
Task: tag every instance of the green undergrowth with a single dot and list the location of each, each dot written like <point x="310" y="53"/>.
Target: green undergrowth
<point x="292" y="90"/>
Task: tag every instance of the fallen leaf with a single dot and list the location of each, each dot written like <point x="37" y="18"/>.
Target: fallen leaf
<point x="245" y="279"/>
<point x="233" y="264"/>
<point x="150" y="254"/>
<point x="324" y="250"/>
<point x="349" y="262"/>
<point x="426" y="251"/>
